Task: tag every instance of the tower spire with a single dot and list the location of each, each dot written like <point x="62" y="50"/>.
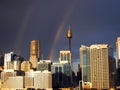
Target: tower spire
<point x="69" y="36"/>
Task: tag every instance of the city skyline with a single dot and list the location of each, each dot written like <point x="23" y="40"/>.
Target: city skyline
<point x="91" y="22"/>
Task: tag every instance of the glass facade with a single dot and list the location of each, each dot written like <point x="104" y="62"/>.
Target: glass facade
<point x="85" y="63"/>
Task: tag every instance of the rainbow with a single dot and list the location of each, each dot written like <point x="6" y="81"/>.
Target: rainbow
<point x="23" y="28"/>
<point x="66" y="17"/>
<point x="58" y="33"/>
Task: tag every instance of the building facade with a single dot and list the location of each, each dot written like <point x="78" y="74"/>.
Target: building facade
<point x="65" y="56"/>
<point x="38" y="80"/>
<point x="61" y="75"/>
<point x="118" y="52"/>
<point x="44" y="65"/>
<point x="34" y="53"/>
<point x="12" y="61"/>
<point x="118" y="61"/>
<point x="85" y="63"/>
<point x="100" y="61"/>
<point x="97" y="60"/>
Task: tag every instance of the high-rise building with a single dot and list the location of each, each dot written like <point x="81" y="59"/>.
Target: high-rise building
<point x="118" y="52"/>
<point x="85" y="62"/>
<point x="34" y="53"/>
<point x="118" y="61"/>
<point x="100" y="66"/>
<point x="97" y="61"/>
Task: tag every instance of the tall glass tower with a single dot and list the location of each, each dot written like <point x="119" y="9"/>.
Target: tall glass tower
<point x="85" y="63"/>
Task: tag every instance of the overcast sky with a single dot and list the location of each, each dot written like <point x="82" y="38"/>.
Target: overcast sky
<point x="91" y="22"/>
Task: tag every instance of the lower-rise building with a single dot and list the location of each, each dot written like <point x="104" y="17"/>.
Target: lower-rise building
<point x="38" y="80"/>
<point x="13" y="83"/>
<point x="61" y="75"/>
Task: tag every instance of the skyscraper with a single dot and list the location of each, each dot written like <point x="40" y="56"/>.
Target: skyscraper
<point x="85" y="63"/>
<point x="34" y="53"/>
<point x="118" y="52"/>
<point x="101" y="61"/>
<point x="98" y="66"/>
<point x="118" y="60"/>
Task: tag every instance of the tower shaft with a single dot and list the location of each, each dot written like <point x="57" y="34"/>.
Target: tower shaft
<point x="69" y="44"/>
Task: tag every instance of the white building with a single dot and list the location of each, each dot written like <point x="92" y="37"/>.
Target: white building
<point x="11" y="61"/>
<point x="13" y="83"/>
<point x="38" y="80"/>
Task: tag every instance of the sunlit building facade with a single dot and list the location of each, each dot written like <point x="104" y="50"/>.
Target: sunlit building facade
<point x="118" y="60"/>
<point x="101" y="74"/>
<point x="34" y="53"/>
<point x="65" y="56"/>
<point x="98" y="66"/>
<point x="13" y="83"/>
<point x="85" y="62"/>
<point x="26" y="66"/>
<point x="38" y="80"/>
<point x="118" y="52"/>
<point x="12" y="61"/>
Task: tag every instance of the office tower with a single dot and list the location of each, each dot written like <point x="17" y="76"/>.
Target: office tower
<point x="44" y="65"/>
<point x="61" y="75"/>
<point x="118" y="52"/>
<point x="98" y="66"/>
<point x="118" y="60"/>
<point x="100" y="62"/>
<point x="85" y="63"/>
<point x="65" y="56"/>
<point x="34" y="53"/>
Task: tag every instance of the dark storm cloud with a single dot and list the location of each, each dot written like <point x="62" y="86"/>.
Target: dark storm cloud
<point x="91" y="21"/>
